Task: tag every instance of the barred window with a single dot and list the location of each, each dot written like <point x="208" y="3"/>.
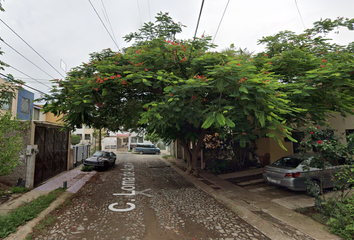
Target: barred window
<point x="25" y="105"/>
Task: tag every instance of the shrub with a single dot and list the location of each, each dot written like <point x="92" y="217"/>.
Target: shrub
<point x="75" y="139"/>
<point x="86" y="168"/>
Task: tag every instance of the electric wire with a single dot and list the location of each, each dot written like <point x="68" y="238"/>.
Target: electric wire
<point x="103" y="24"/>
<point x="27" y="86"/>
<point x="29" y="76"/>
<point x="141" y="22"/>
<point x="200" y="14"/>
<point x="28" y="60"/>
<point x="31" y="47"/>
<point x="109" y="22"/>
<point x="298" y="10"/>
<point x="222" y="17"/>
<point x="149" y="10"/>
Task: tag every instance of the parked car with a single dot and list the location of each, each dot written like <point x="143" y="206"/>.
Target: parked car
<point x="291" y="172"/>
<point x="101" y="159"/>
<point x="146" y="148"/>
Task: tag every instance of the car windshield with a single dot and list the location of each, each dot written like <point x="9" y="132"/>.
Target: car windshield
<point x="100" y="154"/>
<point x="288" y="162"/>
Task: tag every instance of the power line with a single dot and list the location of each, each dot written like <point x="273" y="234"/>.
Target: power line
<point x="103" y="24"/>
<point x="141" y="22"/>
<point x="221" y="21"/>
<point x="109" y="22"/>
<point x="27" y="86"/>
<point x="200" y="14"/>
<point x="149" y="10"/>
<point x="298" y="10"/>
<point x="28" y="60"/>
<point x="30" y="47"/>
<point x="29" y="76"/>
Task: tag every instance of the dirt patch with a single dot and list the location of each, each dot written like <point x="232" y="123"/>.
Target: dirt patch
<point x="4" y="194"/>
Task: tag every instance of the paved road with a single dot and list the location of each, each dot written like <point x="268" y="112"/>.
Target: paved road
<point x="164" y="206"/>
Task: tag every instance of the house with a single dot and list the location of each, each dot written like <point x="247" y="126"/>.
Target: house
<point x="85" y="133"/>
<point x="269" y="150"/>
<point x="24" y="104"/>
<point x="122" y="141"/>
<point x="46" y="151"/>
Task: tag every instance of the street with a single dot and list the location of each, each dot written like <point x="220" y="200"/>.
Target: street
<point x="143" y="198"/>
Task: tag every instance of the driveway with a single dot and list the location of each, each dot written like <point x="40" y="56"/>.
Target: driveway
<point x="252" y="181"/>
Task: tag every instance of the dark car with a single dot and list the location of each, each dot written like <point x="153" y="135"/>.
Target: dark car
<point x="147" y="148"/>
<point x="291" y="172"/>
<point x="101" y="159"/>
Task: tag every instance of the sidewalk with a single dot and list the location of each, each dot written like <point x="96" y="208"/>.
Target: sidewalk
<point x="274" y="220"/>
<point x="74" y="178"/>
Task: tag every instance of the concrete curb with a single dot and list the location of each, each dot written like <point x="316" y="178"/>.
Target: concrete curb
<point x="26" y="229"/>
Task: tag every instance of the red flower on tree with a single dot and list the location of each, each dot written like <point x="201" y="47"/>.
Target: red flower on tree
<point x="146" y="69"/>
<point x="311" y="132"/>
<point x="323" y="60"/>
<point x="322" y="66"/>
<point x="319" y="141"/>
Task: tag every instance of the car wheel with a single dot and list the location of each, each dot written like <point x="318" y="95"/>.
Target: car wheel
<point x="157" y="153"/>
<point x="140" y="152"/>
<point x="114" y="163"/>
<point x="314" y="188"/>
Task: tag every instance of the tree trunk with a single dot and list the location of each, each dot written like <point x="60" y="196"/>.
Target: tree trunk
<point x="192" y="153"/>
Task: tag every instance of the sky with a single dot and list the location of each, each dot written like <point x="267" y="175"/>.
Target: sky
<point x="69" y="30"/>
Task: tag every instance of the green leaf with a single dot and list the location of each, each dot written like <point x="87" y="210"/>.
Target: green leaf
<point x="243" y="89"/>
<point x="159" y="78"/>
<point x="221" y="119"/>
<point x="208" y="122"/>
<point x="261" y="119"/>
<point x="104" y="92"/>
<point x="229" y="122"/>
<point x="244" y="98"/>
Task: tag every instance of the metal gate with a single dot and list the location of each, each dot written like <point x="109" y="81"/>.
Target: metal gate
<point x="53" y="152"/>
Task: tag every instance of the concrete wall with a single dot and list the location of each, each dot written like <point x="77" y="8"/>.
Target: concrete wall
<point x="20" y="170"/>
<point x="23" y="93"/>
<point x="341" y="124"/>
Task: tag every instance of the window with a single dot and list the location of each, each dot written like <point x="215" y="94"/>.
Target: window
<point x="125" y="140"/>
<point x="134" y="139"/>
<point x="36" y="114"/>
<point x="6" y="101"/>
<point x="140" y="139"/>
<point x="25" y="105"/>
<point x="87" y="137"/>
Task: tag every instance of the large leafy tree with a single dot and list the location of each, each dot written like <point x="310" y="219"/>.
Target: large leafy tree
<point x="180" y="88"/>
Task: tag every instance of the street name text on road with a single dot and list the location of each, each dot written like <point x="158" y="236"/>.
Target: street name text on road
<point x="128" y="184"/>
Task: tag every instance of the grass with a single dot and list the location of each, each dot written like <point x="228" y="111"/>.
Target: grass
<point x="26" y="212"/>
<point x="167" y="156"/>
<point x="16" y="189"/>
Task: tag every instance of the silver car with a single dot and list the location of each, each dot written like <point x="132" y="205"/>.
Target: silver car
<point x="101" y="159"/>
<point x="291" y="172"/>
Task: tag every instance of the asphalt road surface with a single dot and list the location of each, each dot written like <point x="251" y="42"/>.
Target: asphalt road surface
<point x="142" y="198"/>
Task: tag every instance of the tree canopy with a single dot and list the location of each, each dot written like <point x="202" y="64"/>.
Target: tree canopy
<point x="180" y="88"/>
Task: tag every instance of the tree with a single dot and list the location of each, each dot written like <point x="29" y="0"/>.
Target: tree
<point x="75" y="139"/>
<point x="10" y="129"/>
<point x="152" y="137"/>
<point x="178" y="89"/>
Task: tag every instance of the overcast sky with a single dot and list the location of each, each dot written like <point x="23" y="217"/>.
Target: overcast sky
<point x="69" y="30"/>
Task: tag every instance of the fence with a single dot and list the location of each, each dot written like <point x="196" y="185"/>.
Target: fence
<point x="80" y="154"/>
